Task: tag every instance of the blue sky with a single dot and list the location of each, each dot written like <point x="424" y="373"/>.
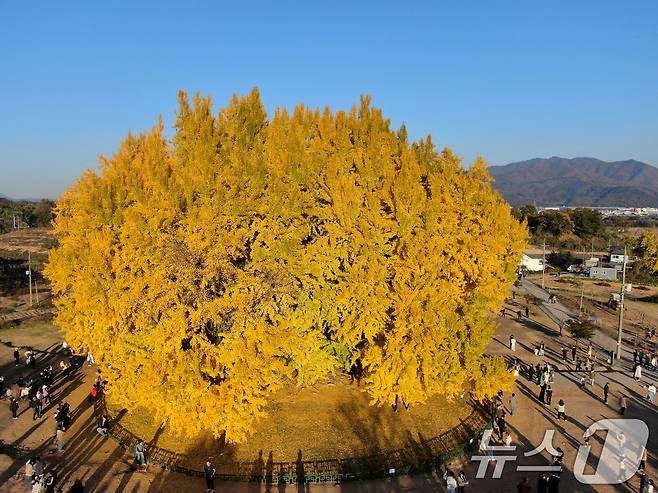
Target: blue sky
<point x="508" y="80"/>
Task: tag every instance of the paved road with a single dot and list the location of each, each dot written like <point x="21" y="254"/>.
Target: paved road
<point x="560" y="314"/>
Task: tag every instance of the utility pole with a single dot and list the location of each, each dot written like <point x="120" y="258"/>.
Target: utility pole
<point x="592" y="254"/>
<point x="621" y="306"/>
<point x="29" y="273"/>
<point x="543" y="264"/>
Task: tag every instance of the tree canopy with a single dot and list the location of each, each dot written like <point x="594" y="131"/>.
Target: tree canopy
<point x="249" y="253"/>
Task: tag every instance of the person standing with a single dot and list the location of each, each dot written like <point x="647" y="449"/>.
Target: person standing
<point x="606" y="391"/>
<point x="623" y="404"/>
<point x="634" y="356"/>
<point x="103" y="426"/>
<point x="462" y="482"/>
<point x="512" y="404"/>
<point x="524" y="486"/>
<point x="651" y="393"/>
<point x="561" y="407"/>
<point x="643" y="460"/>
<point x="573" y="352"/>
<point x="38" y="484"/>
<point x="45" y="393"/>
<point x="209" y="473"/>
<point x="17" y="356"/>
<point x="50" y="482"/>
<point x="564" y="353"/>
<point x="549" y="394"/>
<point x="60" y="440"/>
<point x="512" y="343"/>
<point x="13" y="407"/>
<point x="542" y="348"/>
<point x="140" y="447"/>
<point x="507" y="439"/>
<point x="542" y="392"/>
<point x="500" y="420"/>
<point x="451" y="482"/>
<point x="77" y="487"/>
<point x="638" y="373"/>
<point x="29" y="471"/>
<point x="527" y="312"/>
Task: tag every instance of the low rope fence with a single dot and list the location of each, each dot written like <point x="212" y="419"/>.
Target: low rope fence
<point x="422" y="457"/>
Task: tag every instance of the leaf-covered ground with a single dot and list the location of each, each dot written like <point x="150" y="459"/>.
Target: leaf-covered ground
<point x="332" y="420"/>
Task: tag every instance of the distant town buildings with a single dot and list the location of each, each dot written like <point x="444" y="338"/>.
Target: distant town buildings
<point x="611" y="211"/>
<point x="617" y="256"/>
<point x="607" y="273"/>
<point x="532" y="262"/>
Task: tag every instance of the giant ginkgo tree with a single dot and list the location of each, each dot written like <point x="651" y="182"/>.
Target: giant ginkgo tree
<point x="207" y="271"/>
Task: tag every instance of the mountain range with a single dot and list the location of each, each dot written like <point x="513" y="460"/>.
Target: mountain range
<point x="582" y="181"/>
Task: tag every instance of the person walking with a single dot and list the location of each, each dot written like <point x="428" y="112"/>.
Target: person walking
<point x="527" y="312"/>
<point x="651" y="393"/>
<point x="512" y="404"/>
<point x="606" y="391"/>
<point x="564" y="353"/>
<point x="573" y="352"/>
<point x="561" y="410"/>
<point x="638" y="373"/>
<point x="209" y="473"/>
<point x="542" y="348"/>
<point x="634" y="356"/>
<point x="512" y="343"/>
<point x="623" y="404"/>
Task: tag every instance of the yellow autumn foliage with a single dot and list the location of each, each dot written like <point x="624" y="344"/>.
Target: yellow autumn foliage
<point x="246" y="253"/>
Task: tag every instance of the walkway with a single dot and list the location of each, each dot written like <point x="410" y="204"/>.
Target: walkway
<point x="105" y="467"/>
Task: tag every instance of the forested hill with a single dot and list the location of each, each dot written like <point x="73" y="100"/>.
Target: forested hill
<point x="580" y="181"/>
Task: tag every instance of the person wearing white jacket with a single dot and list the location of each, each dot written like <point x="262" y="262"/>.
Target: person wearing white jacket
<point x="451" y="482"/>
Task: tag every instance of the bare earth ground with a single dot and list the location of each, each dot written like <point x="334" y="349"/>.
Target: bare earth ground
<point x="32" y="239"/>
<point x="638" y="315"/>
<point x="104" y="467"/>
